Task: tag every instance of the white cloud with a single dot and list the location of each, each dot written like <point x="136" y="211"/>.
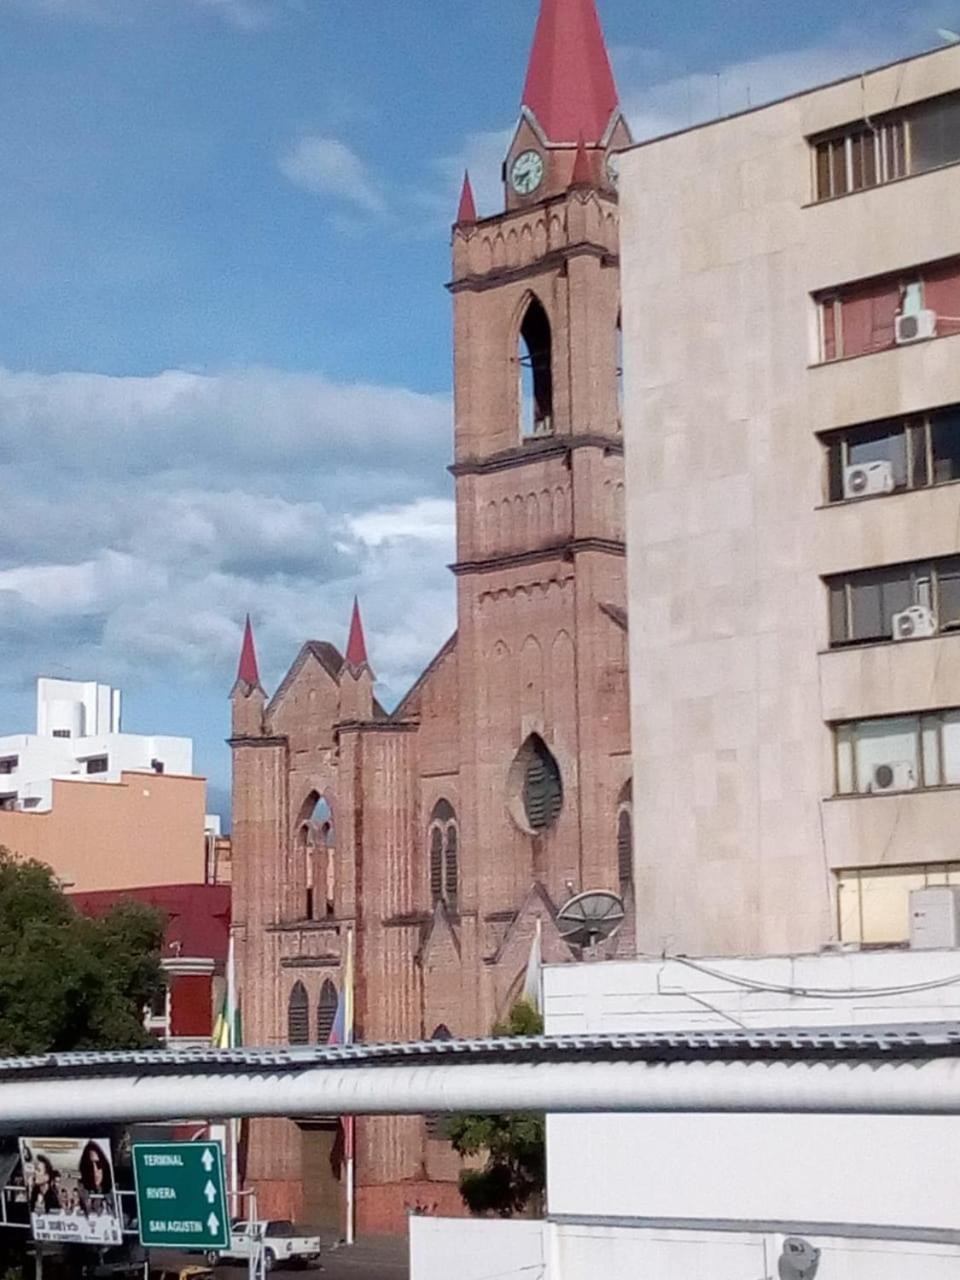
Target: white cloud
<point x="144" y="516"/>
<point x="328" y="167"/>
<point x="247" y="14"/>
<point x="482" y="155"/>
<point x="426" y="520"/>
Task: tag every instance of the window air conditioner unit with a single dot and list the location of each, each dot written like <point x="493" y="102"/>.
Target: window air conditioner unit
<point x="894" y="777"/>
<point x="543" y="426"/>
<point x="866" y="478"/>
<point x="914" y="622"/>
<point x="915" y="327"/>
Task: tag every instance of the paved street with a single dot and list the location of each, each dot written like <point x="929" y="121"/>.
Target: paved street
<point x="375" y="1258"/>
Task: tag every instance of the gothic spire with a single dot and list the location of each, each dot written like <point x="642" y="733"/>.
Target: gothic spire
<point x="582" y="175"/>
<point x="248" y="672"/>
<point x="570" y="86"/>
<point x="467" y="212"/>
<point x="356" y="644"/>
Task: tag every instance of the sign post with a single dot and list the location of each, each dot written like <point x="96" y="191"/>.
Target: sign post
<point x="181" y="1195"/>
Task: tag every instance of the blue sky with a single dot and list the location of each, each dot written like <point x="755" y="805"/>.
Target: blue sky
<point x="224" y="338"/>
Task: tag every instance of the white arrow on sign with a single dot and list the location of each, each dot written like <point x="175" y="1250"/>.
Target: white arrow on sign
<point x="213" y="1222"/>
<point x="210" y="1191"/>
<point x="207" y="1159"/>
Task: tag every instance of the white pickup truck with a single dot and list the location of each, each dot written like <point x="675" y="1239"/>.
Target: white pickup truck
<point x="282" y="1247"/>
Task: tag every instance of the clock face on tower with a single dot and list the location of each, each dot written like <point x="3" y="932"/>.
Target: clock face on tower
<point x="527" y="172"/>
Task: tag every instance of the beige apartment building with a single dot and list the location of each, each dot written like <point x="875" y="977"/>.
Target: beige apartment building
<point x="146" y="829"/>
<point x="791" y="318"/>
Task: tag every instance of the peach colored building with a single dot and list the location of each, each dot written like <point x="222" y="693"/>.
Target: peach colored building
<point x="791" y="310"/>
<point x="146" y="829"/>
<point x="441" y="832"/>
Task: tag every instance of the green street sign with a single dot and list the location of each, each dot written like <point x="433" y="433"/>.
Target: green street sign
<point x="181" y="1199"/>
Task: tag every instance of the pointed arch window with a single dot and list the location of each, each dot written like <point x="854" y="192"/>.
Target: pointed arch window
<point x="434" y="1120"/>
<point x="298" y="1015"/>
<point x="444" y="846"/>
<point x="536" y="373"/>
<point x="535" y="787"/>
<point x="326" y="1011"/>
<point x="625" y="836"/>
<point x="316" y="845"/>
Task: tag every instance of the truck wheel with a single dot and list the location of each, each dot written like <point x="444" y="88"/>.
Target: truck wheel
<point x="211" y="1257"/>
<point x="269" y="1259"/>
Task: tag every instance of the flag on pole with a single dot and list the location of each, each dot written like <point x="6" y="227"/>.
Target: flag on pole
<point x="341" y="1033"/>
<point x="226" y="1029"/>
<point x="531" y="983"/>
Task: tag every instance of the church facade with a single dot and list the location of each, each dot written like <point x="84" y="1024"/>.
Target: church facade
<point x="440" y="832"/>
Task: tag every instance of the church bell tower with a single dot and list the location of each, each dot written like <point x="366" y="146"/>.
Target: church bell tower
<point x="539" y="479"/>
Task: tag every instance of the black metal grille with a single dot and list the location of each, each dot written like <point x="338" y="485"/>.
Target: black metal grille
<point x="326" y="1011"/>
<point x="436" y="863"/>
<point x="451" y="866"/>
<point x="625" y="846"/>
<point x="298" y="1015"/>
<point x="542" y="788"/>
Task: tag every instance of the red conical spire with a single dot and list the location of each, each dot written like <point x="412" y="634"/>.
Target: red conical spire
<point x="248" y="673"/>
<point x="356" y="645"/>
<point x="467" y="212"/>
<point x="582" y="175"/>
<point x="570" y="86"/>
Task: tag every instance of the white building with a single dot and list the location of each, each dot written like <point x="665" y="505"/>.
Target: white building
<point x="78" y="736"/>
<point x="701" y="1196"/>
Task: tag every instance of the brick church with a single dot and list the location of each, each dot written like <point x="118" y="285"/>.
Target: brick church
<point x="499" y="786"/>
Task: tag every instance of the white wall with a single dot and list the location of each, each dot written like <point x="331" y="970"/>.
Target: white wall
<point x="622" y="1188"/>
<point x="475" y="1249"/>
<point x="590" y="1252"/>
<point x="655" y="995"/>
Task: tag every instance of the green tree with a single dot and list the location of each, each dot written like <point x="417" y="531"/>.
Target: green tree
<point x="67" y="981"/>
<point x="513" y="1176"/>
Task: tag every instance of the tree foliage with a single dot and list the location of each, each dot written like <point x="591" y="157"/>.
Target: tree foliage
<point x="513" y="1176"/>
<point x="67" y="981"/>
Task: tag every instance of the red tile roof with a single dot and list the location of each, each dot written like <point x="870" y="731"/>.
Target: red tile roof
<point x="198" y="915"/>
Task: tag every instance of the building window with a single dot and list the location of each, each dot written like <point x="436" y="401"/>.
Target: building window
<point x="868" y="153"/>
<point x="859" y="157"/>
<point x="536" y="373"/>
<point x="9" y="764"/>
<point x="61" y="733"/>
<point x="444" y="846"/>
<point x="434" y="1121"/>
<point x="298" y="1015"/>
<point x="326" y="1011"/>
<point x="8" y="801"/>
<point x="96" y="764"/>
<point x="157" y="766"/>
<point x="316" y="852"/>
<point x="886" y="311"/>
<point x="898" y="753"/>
<point x="625" y="837"/>
<point x="534" y="787"/>
<point x="892" y="455"/>
<point x="903" y="602"/>
<point x="873" y="903"/>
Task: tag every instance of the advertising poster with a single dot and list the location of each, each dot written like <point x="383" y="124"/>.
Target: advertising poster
<point x="71" y="1190"/>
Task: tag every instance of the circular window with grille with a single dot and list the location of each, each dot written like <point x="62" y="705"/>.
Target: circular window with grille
<point x="535" y="788"/>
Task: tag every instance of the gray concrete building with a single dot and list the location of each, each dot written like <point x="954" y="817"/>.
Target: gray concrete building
<point x="791" y="330"/>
